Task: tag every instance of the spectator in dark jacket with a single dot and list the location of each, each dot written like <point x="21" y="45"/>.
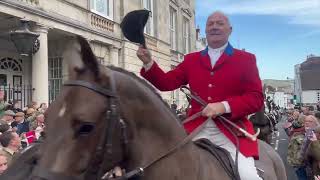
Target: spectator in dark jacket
<point x="23" y="125"/>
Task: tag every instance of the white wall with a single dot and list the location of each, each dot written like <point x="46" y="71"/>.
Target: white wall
<point x="279" y="99"/>
<point x="310" y="96"/>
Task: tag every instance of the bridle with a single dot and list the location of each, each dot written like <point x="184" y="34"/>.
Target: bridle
<point x="105" y="145"/>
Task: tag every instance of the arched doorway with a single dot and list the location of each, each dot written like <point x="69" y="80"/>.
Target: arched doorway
<point x="11" y="80"/>
<point x="11" y="71"/>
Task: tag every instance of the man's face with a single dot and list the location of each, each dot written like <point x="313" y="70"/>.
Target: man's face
<point x="19" y="118"/>
<point x="8" y="118"/>
<point x="3" y="163"/>
<point x="16" y="141"/>
<point x="218" y="30"/>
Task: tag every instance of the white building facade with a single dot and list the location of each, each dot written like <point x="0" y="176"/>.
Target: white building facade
<point x="311" y="97"/>
<point x="39" y="77"/>
<point x="307" y="78"/>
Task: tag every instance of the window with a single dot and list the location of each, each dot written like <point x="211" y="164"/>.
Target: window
<point x="186" y="35"/>
<point x="55" y="77"/>
<point x="173" y="28"/>
<point x="102" y="7"/>
<point x="148" y="5"/>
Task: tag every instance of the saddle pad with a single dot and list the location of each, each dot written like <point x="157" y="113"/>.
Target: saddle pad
<point x="222" y="155"/>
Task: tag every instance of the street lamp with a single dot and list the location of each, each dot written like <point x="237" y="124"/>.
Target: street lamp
<point x="23" y="38"/>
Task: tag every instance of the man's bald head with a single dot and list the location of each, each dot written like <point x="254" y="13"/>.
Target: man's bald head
<point x="220" y="14"/>
<point x="218" y="29"/>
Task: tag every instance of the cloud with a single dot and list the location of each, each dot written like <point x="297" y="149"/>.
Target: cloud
<point x="304" y="12"/>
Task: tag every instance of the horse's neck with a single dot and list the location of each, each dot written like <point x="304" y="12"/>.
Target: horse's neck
<point x="156" y="131"/>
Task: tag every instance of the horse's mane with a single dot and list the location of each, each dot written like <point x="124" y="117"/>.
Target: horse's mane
<point x="90" y="60"/>
<point x="142" y="81"/>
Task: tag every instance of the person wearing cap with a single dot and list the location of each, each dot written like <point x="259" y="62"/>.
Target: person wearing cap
<point x="23" y="125"/>
<point x="227" y="79"/>
<point x="8" y="116"/>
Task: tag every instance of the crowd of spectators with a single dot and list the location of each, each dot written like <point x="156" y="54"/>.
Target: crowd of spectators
<point x="303" y="129"/>
<point x="18" y="128"/>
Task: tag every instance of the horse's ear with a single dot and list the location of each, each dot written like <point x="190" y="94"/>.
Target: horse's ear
<point x="80" y="58"/>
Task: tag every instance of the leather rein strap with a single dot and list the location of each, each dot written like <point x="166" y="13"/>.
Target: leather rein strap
<point x="222" y="119"/>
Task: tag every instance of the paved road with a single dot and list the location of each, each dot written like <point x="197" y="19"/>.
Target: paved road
<point x="280" y="143"/>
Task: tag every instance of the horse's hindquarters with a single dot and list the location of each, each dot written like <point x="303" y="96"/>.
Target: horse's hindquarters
<point x="270" y="162"/>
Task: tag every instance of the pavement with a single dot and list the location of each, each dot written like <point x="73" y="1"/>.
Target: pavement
<point x="280" y="144"/>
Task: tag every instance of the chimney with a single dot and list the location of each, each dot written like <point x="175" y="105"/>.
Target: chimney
<point x="197" y="33"/>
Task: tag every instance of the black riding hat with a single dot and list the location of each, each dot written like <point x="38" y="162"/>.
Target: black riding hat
<point x="132" y="26"/>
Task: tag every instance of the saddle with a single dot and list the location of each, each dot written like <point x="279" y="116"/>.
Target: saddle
<point x="222" y="155"/>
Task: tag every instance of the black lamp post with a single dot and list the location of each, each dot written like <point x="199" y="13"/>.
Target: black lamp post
<point x="23" y="38"/>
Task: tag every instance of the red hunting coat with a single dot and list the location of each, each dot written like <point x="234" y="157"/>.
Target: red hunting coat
<point x="234" y="78"/>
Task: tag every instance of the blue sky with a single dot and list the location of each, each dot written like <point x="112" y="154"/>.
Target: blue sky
<point x="281" y="33"/>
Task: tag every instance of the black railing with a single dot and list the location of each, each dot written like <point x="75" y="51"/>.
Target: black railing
<point x="21" y="93"/>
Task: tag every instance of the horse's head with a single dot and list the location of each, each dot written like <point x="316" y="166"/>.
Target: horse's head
<point x="84" y="134"/>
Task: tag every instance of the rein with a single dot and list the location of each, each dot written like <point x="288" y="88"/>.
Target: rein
<point x="198" y="99"/>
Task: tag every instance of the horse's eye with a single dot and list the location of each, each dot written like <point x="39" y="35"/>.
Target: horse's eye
<point x="85" y="129"/>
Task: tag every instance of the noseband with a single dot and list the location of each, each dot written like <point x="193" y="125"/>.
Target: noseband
<point x="104" y="147"/>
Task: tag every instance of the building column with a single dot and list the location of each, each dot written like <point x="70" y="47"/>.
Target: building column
<point x="40" y="82"/>
<point x="114" y="56"/>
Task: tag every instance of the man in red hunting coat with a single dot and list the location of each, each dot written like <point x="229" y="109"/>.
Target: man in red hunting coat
<point x="227" y="79"/>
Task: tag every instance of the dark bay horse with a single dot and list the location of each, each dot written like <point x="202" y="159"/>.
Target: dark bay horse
<point x="265" y="122"/>
<point x="107" y="117"/>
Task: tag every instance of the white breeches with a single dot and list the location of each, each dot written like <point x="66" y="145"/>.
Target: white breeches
<point x="246" y="167"/>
